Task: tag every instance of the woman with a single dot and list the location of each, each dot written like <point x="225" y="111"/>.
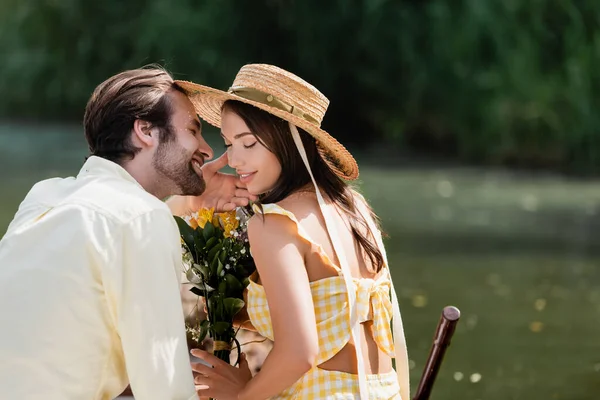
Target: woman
<point x="322" y="288"/>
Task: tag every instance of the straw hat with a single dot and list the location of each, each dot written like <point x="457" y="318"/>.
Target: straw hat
<point x="282" y="94"/>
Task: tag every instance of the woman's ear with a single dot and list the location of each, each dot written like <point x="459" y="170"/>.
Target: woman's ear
<point x="144" y="133"/>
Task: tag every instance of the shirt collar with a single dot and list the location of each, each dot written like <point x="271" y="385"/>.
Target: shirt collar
<point x="101" y="166"/>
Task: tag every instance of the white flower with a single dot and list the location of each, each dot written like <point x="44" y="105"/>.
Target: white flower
<point x="222" y="273"/>
<point x="243" y="251"/>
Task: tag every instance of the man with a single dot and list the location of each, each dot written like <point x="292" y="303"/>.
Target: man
<point x="90" y="266"/>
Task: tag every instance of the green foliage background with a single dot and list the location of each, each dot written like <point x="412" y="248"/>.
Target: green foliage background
<point x="495" y="82"/>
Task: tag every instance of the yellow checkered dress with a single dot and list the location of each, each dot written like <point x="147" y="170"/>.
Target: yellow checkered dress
<point x="333" y="325"/>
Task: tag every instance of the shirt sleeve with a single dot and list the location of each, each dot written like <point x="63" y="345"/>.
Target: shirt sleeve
<point x="145" y="290"/>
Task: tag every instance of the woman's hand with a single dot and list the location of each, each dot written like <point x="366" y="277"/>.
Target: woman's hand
<point x="221" y="381"/>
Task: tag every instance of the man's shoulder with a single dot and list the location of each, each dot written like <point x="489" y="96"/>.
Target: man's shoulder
<point x="116" y="199"/>
<point x="119" y="200"/>
<point x="71" y="204"/>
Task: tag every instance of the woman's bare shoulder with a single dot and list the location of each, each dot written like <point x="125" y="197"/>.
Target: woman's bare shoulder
<point x="301" y="204"/>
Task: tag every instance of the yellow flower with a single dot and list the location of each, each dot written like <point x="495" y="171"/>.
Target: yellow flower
<point x="229" y="223"/>
<point x="205" y="215"/>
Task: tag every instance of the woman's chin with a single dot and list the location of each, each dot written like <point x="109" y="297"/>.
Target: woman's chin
<point x="256" y="191"/>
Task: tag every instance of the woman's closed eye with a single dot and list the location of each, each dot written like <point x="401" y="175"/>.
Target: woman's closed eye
<point x="246" y="146"/>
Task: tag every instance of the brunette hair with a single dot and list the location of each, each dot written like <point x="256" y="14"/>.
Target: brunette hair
<point x="274" y="133"/>
<point x="120" y="100"/>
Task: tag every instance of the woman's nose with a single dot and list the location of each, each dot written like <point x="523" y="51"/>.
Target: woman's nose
<point x="233" y="158"/>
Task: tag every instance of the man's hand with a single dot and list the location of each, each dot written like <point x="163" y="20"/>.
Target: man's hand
<point x="223" y="191"/>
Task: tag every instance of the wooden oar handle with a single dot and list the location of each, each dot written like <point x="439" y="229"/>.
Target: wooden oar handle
<point x="441" y="341"/>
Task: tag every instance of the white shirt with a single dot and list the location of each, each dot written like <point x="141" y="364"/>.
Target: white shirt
<point x="89" y="292"/>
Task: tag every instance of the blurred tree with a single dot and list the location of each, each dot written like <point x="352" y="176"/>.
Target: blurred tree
<point x="501" y="81"/>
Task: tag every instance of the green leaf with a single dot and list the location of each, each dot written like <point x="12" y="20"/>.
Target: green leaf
<point x="209" y="231"/>
<point x="205" y="271"/>
<point x="240" y="270"/>
<point x="203" y="289"/>
<point x="220" y="328"/>
<point x="212" y="254"/>
<point x="203" y="330"/>
<point x="233" y="284"/>
<point x="223" y="256"/>
<point x="222" y="287"/>
<point x="211" y="242"/>
<point x="199" y="240"/>
<point x="214" y="266"/>
<point x="219" y="267"/>
<point x="186" y="231"/>
<point x="197" y="291"/>
<point x="233" y="306"/>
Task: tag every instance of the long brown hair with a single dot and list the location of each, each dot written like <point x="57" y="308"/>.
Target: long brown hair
<point x="274" y="133"/>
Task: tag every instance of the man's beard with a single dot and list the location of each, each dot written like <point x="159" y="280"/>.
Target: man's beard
<point x="173" y="164"/>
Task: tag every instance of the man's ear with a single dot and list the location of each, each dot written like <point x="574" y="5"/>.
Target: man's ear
<point x="144" y="133"/>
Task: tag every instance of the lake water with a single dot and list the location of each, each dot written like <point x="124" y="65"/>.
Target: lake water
<point x="515" y="252"/>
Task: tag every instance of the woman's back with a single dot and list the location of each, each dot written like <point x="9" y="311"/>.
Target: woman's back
<point x="305" y="207"/>
<point x="321" y="262"/>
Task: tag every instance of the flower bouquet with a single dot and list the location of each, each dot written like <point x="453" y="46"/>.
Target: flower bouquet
<point x="217" y="262"/>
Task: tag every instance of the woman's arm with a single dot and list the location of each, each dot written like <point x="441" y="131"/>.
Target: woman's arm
<point x="277" y="251"/>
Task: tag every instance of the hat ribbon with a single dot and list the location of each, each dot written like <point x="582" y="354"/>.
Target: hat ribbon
<point x="267" y="99"/>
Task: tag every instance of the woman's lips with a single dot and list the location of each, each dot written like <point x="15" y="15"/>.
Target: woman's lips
<point x="246" y="177"/>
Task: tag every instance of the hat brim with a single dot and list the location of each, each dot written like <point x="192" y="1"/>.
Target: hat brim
<point x="208" y="103"/>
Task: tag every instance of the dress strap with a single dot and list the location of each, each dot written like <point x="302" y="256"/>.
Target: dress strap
<point x="273" y="208"/>
<point x="345" y="268"/>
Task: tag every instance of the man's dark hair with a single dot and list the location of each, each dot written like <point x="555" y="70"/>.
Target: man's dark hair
<point x="120" y="100"/>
